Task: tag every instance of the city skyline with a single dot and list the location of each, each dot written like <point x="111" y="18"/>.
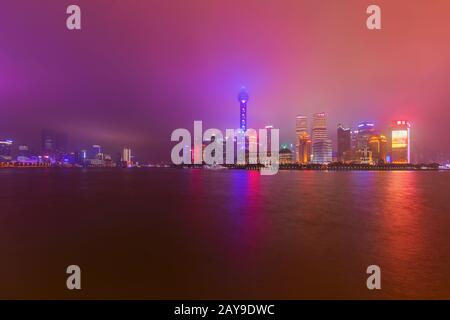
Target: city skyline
<point x="364" y="144"/>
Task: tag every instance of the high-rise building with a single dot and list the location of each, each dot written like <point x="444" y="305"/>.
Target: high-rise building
<point x="5" y="150"/>
<point x="23" y="154"/>
<point x="24" y="151"/>
<point x="303" y="140"/>
<point x="401" y="142"/>
<point x="301" y="124"/>
<point x="321" y="145"/>
<point x="365" y="131"/>
<point x="243" y="99"/>
<point x="53" y="144"/>
<point x="96" y="150"/>
<point x="81" y="157"/>
<point x="126" y="157"/>
<point x="378" y="147"/>
<point x="344" y="142"/>
<point x="304" y="148"/>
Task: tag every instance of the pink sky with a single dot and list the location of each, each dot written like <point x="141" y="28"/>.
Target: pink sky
<point x="139" y="69"/>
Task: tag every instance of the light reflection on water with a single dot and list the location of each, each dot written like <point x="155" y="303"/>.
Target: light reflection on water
<point x="166" y="233"/>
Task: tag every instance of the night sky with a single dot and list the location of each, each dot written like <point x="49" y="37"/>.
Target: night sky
<point x="140" y="69"/>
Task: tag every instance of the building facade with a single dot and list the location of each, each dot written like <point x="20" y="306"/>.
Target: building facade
<point x="344" y="142"/>
<point x="303" y="140"/>
<point x="378" y="146"/>
<point x="401" y="142"/>
<point x="6" y="150"/>
<point x="321" y="145"/>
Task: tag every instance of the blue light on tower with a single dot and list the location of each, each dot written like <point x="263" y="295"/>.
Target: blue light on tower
<point x="243" y="99"/>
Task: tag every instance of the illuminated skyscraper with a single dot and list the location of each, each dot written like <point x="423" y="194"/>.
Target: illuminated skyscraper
<point x="363" y="154"/>
<point x="54" y="144"/>
<point x="5" y="150"/>
<point x="401" y="142"/>
<point x="243" y="99"/>
<point x="378" y="146"/>
<point x="365" y="131"/>
<point x="304" y="148"/>
<point x="301" y="124"/>
<point x="303" y="140"/>
<point x="344" y="142"/>
<point x="96" y="149"/>
<point x="321" y="145"/>
<point x="126" y="157"/>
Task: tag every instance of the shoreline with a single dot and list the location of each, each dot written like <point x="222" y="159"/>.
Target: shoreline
<point x="293" y="167"/>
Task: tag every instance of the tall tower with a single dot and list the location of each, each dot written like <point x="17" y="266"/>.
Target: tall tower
<point x="321" y="145"/>
<point x="243" y="99"/>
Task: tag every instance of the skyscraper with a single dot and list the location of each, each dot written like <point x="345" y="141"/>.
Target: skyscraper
<point x="401" y="142"/>
<point x="378" y="146"/>
<point x="5" y="151"/>
<point x="54" y="144"/>
<point x="365" y="131"/>
<point x="304" y="148"/>
<point x="301" y="124"/>
<point x="126" y="157"/>
<point x="344" y="142"/>
<point x="243" y="99"/>
<point x="303" y="140"/>
<point x="321" y="145"/>
<point x="96" y="149"/>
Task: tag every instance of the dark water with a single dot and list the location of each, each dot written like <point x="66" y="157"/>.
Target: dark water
<point x="182" y="234"/>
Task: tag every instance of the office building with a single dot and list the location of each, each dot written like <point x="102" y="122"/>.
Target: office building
<point x="344" y="142"/>
<point x="378" y="147"/>
<point x="401" y="142"/>
<point x="303" y="140"/>
<point x="126" y="157"/>
<point x="321" y="145"/>
<point x="6" y="150"/>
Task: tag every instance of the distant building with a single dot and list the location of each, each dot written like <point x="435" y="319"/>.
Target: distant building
<point x="344" y="142"/>
<point x="24" y="151"/>
<point x="6" y="150"/>
<point x="304" y="148"/>
<point x="364" y="156"/>
<point x="365" y="131"/>
<point x="303" y="140"/>
<point x="378" y="146"/>
<point x="285" y="155"/>
<point x="321" y="145"/>
<point x="95" y="151"/>
<point x="301" y="124"/>
<point x="401" y="142"/>
<point x="23" y="154"/>
<point x="53" y="144"/>
<point x="126" y="157"/>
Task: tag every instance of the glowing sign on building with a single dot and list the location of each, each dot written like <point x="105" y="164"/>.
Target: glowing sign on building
<point x="399" y="139"/>
<point x="401" y="142"/>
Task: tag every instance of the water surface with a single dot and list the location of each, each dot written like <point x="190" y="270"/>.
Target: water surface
<point x="199" y="234"/>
